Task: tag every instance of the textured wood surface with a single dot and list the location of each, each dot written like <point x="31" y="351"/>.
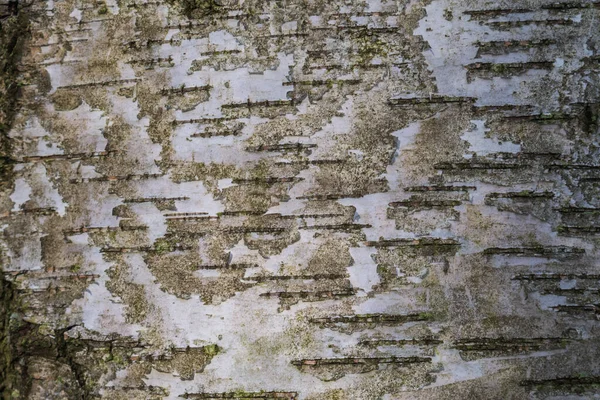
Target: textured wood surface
<point x="300" y="199"/>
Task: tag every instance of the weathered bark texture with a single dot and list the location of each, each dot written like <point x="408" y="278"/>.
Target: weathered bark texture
<point x="299" y="199"/>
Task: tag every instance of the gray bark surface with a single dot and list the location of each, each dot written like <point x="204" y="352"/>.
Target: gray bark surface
<point x="300" y="199"/>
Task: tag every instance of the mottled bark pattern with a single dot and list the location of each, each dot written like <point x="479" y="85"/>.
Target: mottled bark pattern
<point x="299" y="199"/>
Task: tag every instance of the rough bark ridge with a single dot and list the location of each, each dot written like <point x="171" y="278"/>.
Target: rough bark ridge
<point x="301" y="199"/>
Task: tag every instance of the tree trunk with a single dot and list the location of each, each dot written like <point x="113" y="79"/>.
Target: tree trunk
<point x="300" y="199"/>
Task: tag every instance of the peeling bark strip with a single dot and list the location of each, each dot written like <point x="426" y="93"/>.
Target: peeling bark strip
<point x="301" y="199"/>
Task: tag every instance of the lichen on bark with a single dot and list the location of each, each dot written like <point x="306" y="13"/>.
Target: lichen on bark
<point x="346" y="199"/>
<point x="197" y="8"/>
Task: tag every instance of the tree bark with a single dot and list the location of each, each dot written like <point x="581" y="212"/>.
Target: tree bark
<point x="299" y="199"/>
